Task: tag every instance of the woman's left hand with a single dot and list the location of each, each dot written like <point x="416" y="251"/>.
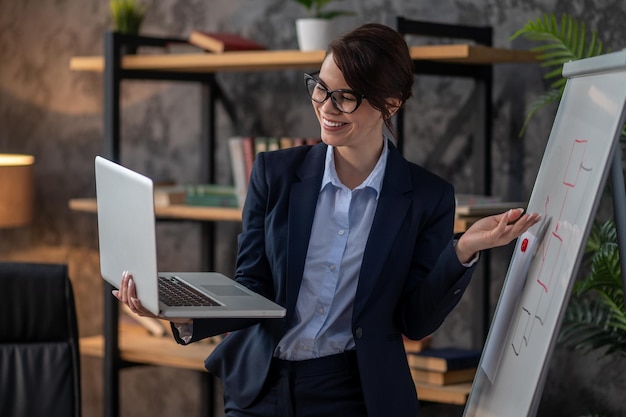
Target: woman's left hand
<point x="493" y="231"/>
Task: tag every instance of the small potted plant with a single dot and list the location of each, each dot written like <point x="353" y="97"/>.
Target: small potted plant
<point x="127" y="15"/>
<point x="316" y="31"/>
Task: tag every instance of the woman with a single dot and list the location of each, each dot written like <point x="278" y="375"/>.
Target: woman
<point x="355" y="241"/>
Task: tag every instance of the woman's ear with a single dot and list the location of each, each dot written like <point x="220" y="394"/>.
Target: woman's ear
<point x="393" y="105"/>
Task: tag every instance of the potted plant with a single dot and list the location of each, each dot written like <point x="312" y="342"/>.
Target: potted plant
<point x="127" y="15"/>
<point x="316" y="31"/>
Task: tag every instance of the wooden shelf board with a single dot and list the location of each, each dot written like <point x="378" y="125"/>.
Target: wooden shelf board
<point x="200" y="213"/>
<point x="138" y="346"/>
<point x="176" y="211"/>
<point x="292" y="59"/>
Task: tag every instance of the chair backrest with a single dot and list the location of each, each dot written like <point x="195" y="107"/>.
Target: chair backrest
<point x="39" y="355"/>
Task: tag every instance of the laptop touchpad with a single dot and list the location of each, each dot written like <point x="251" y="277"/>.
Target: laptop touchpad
<point x="225" y="290"/>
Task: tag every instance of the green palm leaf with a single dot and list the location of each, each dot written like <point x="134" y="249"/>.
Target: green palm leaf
<point x="560" y="43"/>
<point x="595" y="317"/>
<point x="588" y="325"/>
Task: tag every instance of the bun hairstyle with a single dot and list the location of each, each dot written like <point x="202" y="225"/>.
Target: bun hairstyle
<point x="374" y="60"/>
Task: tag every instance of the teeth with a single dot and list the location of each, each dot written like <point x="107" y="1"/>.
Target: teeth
<point x="332" y="124"/>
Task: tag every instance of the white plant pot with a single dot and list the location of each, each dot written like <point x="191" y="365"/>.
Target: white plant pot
<point x="314" y="34"/>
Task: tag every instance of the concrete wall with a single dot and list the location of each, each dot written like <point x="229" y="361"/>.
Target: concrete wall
<point x="56" y="114"/>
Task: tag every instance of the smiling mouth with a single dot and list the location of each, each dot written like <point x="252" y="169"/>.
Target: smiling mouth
<point x="332" y="124"/>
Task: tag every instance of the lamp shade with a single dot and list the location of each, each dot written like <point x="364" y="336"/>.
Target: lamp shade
<point x="16" y="190"/>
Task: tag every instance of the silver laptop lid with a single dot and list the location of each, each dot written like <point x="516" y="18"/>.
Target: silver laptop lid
<point x="126" y="231"/>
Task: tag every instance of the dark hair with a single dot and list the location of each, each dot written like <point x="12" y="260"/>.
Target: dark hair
<point x="374" y="60"/>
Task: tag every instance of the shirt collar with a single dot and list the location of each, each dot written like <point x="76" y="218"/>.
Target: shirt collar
<point x="374" y="180"/>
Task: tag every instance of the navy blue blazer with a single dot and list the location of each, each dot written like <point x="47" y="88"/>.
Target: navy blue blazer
<point x="410" y="279"/>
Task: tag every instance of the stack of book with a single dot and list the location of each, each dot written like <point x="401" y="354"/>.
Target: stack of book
<point x="444" y="366"/>
<point x="211" y="195"/>
<point x="477" y="205"/>
<point x="243" y="151"/>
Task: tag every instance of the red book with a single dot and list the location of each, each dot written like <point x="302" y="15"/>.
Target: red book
<point x="247" y="149"/>
<point x="221" y="42"/>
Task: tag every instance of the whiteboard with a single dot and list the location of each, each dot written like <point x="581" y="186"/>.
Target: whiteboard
<point x="577" y="158"/>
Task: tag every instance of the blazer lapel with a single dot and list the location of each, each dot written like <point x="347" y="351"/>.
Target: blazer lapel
<point x="390" y="214"/>
<point x="302" y="204"/>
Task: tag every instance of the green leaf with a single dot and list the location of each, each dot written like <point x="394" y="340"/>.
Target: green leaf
<point x="560" y="43"/>
<point x="595" y="317"/>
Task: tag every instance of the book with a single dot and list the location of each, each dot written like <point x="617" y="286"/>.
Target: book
<point x="166" y="195"/>
<point x="475" y="199"/>
<point x="195" y="195"/>
<point x="414" y="346"/>
<point x="478" y="205"/>
<point x="443" y="378"/>
<point x="213" y="195"/>
<point x="487" y="209"/>
<point x="243" y="151"/>
<point x="444" y="359"/>
<point x="219" y="42"/>
<point x="238" y="168"/>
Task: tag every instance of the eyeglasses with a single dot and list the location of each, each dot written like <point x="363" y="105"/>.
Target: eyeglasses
<point x="346" y="101"/>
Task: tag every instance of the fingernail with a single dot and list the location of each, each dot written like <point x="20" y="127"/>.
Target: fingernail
<point x="130" y="283"/>
<point x="115" y="293"/>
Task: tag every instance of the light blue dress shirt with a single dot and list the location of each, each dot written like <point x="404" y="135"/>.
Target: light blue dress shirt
<point x="341" y="226"/>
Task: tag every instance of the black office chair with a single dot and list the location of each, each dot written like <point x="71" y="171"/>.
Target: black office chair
<point x="39" y="355"/>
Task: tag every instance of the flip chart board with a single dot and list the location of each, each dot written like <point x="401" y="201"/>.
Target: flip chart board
<point x="573" y="171"/>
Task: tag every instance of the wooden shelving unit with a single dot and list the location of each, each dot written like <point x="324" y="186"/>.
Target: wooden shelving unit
<point x="138" y="346"/>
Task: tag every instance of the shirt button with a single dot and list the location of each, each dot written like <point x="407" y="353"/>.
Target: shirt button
<point x="321" y="310"/>
<point x="341" y="232"/>
<point x="358" y="332"/>
<point x="331" y="267"/>
<point x="457" y="291"/>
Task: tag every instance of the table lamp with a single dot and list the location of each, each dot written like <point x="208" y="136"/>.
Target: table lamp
<point x="16" y="190"/>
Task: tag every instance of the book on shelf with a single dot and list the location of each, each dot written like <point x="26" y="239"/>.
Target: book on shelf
<point x="444" y="359"/>
<point x="244" y="149"/>
<point x="487" y="209"/>
<point x="166" y="195"/>
<point x="414" y="346"/>
<point x="219" y="42"/>
<point x="443" y="378"/>
<point x="213" y="195"/>
<point x="478" y="205"/>
<point x="464" y="199"/>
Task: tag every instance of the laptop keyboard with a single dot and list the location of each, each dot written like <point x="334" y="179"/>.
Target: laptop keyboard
<point x="175" y="293"/>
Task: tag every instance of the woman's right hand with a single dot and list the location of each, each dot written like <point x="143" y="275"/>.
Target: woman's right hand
<point x="127" y="294"/>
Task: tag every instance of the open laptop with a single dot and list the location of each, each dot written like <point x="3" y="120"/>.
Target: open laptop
<point x="126" y="230"/>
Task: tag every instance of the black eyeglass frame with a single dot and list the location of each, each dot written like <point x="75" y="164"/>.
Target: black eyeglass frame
<point x="359" y="96"/>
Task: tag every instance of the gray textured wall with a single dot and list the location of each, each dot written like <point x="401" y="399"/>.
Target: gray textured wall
<point x="55" y="114"/>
